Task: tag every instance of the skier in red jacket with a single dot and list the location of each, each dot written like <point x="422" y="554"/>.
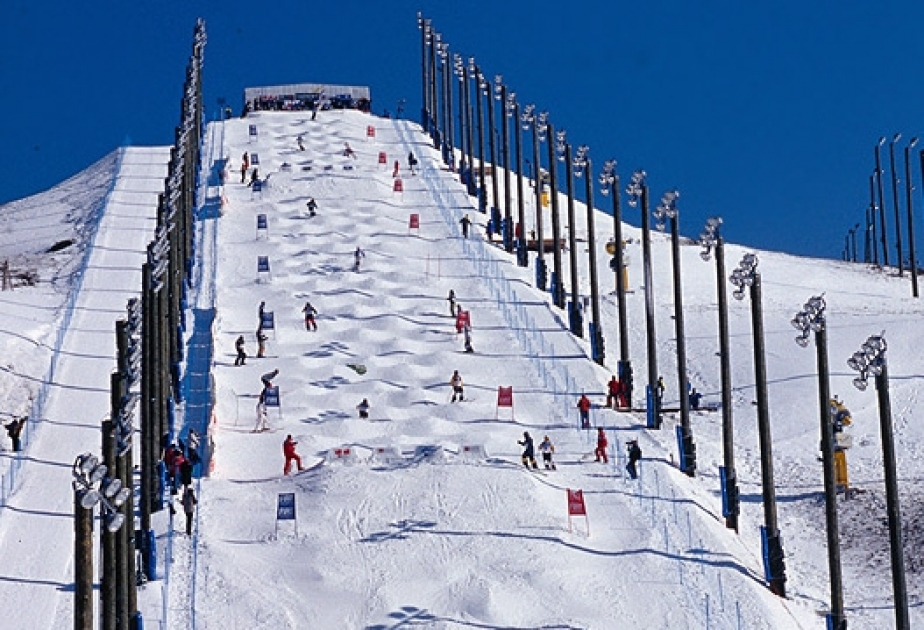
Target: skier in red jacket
<point x="613" y="389"/>
<point x="288" y="449"/>
<point x="584" y="407"/>
<point x="602" y="443"/>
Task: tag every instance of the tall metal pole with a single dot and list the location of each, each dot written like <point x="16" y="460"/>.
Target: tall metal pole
<point x="108" y="588"/>
<point x="774" y="540"/>
<point x="423" y="25"/>
<point x="882" y="214"/>
<point x="522" y="249"/>
<point x="712" y="239"/>
<point x="812" y="317"/>
<point x="871" y="359"/>
<point x="83" y="563"/>
<point x="434" y="40"/>
<point x="827" y="446"/>
<point x="495" y="194"/>
<point x="775" y="566"/>
<point x="558" y="288"/>
<point x="505" y="141"/>
<point x="597" y="350"/>
<point x="610" y="185"/>
<point x="450" y="126"/>
<point x="895" y="203"/>
<point x="668" y="208"/>
<point x="575" y="319"/>
<point x="541" y="271"/>
<point x="638" y="192"/>
<point x="909" y="204"/>
<point x="482" y="195"/>
<point x="892" y="501"/>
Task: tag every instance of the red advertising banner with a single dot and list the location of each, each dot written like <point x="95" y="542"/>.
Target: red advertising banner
<point x="399" y="186"/>
<point x="505" y="396"/>
<point x="414" y="222"/>
<point x="383" y="158"/>
<point x="576" y="505"/>
<point x="370" y="131"/>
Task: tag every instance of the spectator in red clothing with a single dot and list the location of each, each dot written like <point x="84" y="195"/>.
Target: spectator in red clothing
<point x="584" y="407"/>
<point x="602" y="443"/>
<point x="613" y="389"/>
<point x="288" y="449"/>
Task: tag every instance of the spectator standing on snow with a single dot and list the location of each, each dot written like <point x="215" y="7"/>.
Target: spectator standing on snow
<point x="261" y="414"/>
<point x="241" y="353"/>
<point x="245" y="166"/>
<point x="186" y="471"/>
<point x="466" y="224"/>
<point x="411" y="162"/>
<point x="363" y="408"/>
<point x="348" y="150"/>
<point x="288" y="449"/>
<point x="394" y="173"/>
<point x="695" y="399"/>
<point x="468" y="338"/>
<point x="14" y="430"/>
<point x="310" y="312"/>
<point x="602" y="443"/>
<point x="261" y="342"/>
<point x="301" y="142"/>
<point x="192" y="448"/>
<point x="583" y="406"/>
<point x="529" y="453"/>
<point x="312" y="207"/>
<point x="613" y="389"/>
<point x="456" y="383"/>
<point x="452" y="303"/>
<point x="547" y="449"/>
<point x="189" y="508"/>
<point x="635" y="454"/>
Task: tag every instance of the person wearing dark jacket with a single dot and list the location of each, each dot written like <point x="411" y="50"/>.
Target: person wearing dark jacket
<point x="635" y="454"/>
<point x="529" y="453"/>
<point x="241" y="353"/>
<point x="14" y="430"/>
<point x="189" y="508"/>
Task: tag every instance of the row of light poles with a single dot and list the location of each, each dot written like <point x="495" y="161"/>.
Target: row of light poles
<point x="746" y="278"/>
<point x="149" y="343"/>
<point x="875" y="226"/>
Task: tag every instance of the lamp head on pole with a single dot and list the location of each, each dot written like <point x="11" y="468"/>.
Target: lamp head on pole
<point x="667" y="209"/>
<point x="528" y="117"/>
<point x="810" y="319"/>
<point x="579" y="163"/>
<point x="710" y="237"/>
<point x="634" y="189"/>
<point x="607" y="177"/>
<point x="869" y="359"/>
<point x="744" y="275"/>
<point x="560" y="144"/>
<point x="542" y="126"/>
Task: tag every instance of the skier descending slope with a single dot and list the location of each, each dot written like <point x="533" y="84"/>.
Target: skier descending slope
<point x="529" y="454"/>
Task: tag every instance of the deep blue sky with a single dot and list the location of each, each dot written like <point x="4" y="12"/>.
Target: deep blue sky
<point x="763" y="113"/>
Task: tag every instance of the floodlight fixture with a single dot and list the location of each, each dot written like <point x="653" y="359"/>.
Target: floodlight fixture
<point x="579" y="163"/>
<point x="607" y="178"/>
<point x="634" y="189"/>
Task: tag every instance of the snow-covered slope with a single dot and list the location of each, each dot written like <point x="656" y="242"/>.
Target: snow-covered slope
<point x="432" y="521"/>
<point x="481" y="541"/>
